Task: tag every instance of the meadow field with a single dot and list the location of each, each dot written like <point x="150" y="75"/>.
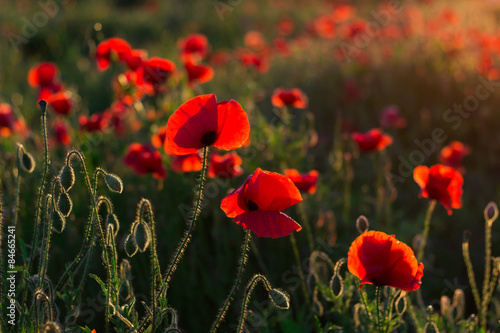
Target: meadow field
<point x="249" y="166"/>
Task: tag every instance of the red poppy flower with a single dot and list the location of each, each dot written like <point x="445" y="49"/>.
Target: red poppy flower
<point x="61" y="102"/>
<point x="8" y="122"/>
<point x="285" y="26"/>
<point x="144" y="159"/>
<point x="372" y="140"/>
<point x="61" y="135"/>
<point x="158" y="139"/>
<point x="198" y="73"/>
<point x="187" y="163"/>
<point x="135" y="58"/>
<point x="202" y="122"/>
<point x="453" y="154"/>
<point x="256" y="204"/>
<point x="325" y="27"/>
<point x="43" y="75"/>
<point x="380" y="259"/>
<point x="94" y="123"/>
<point x="227" y="166"/>
<point x="107" y="47"/>
<point x="281" y="47"/>
<point x="441" y="183"/>
<point x="305" y="182"/>
<point x="391" y="117"/>
<point x="155" y="72"/>
<point x="289" y="97"/>
<point x="249" y="59"/>
<point x="255" y="40"/>
<point x="194" y="47"/>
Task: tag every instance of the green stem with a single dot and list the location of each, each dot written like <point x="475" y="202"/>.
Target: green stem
<point x="425" y="234"/>
<point x="185" y="241"/>
<point x="227" y="302"/>
<point x="246" y="298"/>
<point x="18" y="184"/>
<point x="34" y="241"/>
<point x="377" y="297"/>
<point x="470" y="273"/>
<point x="363" y="300"/>
<point x="487" y="273"/>
<point x="299" y="267"/>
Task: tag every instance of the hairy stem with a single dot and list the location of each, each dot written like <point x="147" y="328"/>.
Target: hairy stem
<point x="246" y="298"/>
<point x="425" y="234"/>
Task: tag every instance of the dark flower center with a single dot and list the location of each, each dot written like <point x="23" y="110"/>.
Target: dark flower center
<point x="252" y="205"/>
<point x="208" y="138"/>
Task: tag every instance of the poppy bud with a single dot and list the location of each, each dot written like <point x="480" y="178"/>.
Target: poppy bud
<point x="362" y="224"/>
<point x="64" y="204"/>
<point x="58" y="222"/>
<point x="113" y="220"/>
<point x="141" y="236"/>
<point x="280" y="298"/>
<point x="458" y="304"/>
<point x="114" y="182"/>
<point x="445" y="303"/>
<point x="130" y="246"/>
<point x="337" y="285"/>
<point x="43" y="105"/>
<point x="67" y="177"/>
<point x="27" y="162"/>
<point x="491" y="212"/>
<point x="51" y="327"/>
<point x="401" y="303"/>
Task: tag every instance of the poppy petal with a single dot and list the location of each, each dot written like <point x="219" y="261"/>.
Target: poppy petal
<point x="272" y="191"/>
<point x="233" y="126"/>
<point x="189" y="123"/>
<point x="267" y="223"/>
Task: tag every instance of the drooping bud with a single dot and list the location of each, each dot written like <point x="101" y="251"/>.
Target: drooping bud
<point x="401" y="303"/>
<point x="362" y="224"/>
<point x="67" y="177"/>
<point x="280" y="298"/>
<point x="114" y="182"/>
<point x="58" y="222"/>
<point x="445" y="303"/>
<point x="27" y="162"/>
<point x="142" y="236"/>
<point x="130" y="246"/>
<point x="336" y="285"/>
<point x="491" y="212"/>
<point x="64" y="204"/>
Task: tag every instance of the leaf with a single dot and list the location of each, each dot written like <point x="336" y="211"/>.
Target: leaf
<point x="98" y="279"/>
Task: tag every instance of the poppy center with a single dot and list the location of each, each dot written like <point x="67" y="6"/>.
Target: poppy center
<point x="252" y="205"/>
<point x="208" y="138"/>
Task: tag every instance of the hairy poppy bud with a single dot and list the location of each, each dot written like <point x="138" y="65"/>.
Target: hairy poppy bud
<point x="491" y="212"/>
<point x="67" y="177"/>
<point x="114" y="182"/>
<point x="280" y="298"/>
<point x="58" y="222"/>
<point x="458" y="304"/>
<point x="125" y="270"/>
<point x="336" y="285"/>
<point x="445" y="303"/>
<point x="142" y="236"/>
<point x="401" y="303"/>
<point x="130" y="246"/>
<point x="64" y="204"/>
<point x="362" y="224"/>
<point x="27" y="162"/>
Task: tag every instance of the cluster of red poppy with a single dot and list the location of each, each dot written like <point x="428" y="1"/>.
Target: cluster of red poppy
<point x="9" y="123"/>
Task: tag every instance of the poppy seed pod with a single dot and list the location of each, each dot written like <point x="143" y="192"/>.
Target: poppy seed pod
<point x="142" y="236"/>
<point x="114" y="182"/>
<point x="64" y="204"/>
<point x="362" y="224"/>
<point x="58" y="222"/>
<point x="280" y="298"/>
<point x="491" y="212"/>
<point x="67" y="177"/>
<point x="130" y="246"/>
<point x="27" y="162"/>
